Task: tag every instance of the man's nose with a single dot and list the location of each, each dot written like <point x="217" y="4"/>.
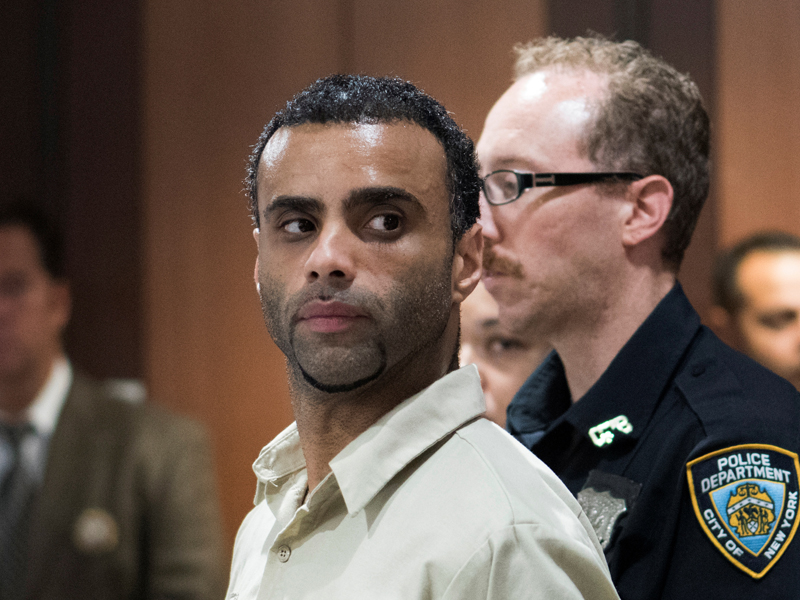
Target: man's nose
<point x="332" y="258"/>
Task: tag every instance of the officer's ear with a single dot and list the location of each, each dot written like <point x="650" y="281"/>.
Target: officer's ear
<point x="60" y="304"/>
<point x="650" y="203"/>
<point x="467" y="263"/>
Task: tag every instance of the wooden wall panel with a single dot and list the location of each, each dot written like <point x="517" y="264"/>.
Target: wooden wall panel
<point x="683" y="33"/>
<point x="96" y="138"/>
<point x="458" y="51"/>
<point x="21" y="102"/>
<point x="758" y="124"/>
<point x="214" y="73"/>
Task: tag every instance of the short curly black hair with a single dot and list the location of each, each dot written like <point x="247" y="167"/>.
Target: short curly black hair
<point x="365" y="99"/>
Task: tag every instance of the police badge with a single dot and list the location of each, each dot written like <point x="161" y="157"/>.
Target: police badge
<point x="745" y="498"/>
<point x="606" y="498"/>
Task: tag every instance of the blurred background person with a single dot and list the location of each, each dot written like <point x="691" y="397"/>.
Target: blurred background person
<point x="756" y="286"/>
<point x="99" y="497"/>
<point x="504" y="359"/>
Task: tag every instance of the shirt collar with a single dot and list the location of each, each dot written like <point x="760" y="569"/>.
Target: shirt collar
<point x="279" y="459"/>
<point x="45" y="409"/>
<point x="370" y="461"/>
<point x="542" y="398"/>
<point x="631" y="386"/>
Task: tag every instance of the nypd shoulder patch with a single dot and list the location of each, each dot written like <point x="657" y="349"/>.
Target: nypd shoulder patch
<point x="746" y="499"/>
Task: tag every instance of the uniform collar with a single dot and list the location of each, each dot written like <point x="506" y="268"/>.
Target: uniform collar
<point x="370" y="461"/>
<point x="541" y="400"/>
<point x="630" y="387"/>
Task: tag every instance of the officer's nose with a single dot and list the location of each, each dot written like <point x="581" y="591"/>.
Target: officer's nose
<point x="491" y="233"/>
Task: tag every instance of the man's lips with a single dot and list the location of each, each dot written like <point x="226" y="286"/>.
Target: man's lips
<point x="329" y="317"/>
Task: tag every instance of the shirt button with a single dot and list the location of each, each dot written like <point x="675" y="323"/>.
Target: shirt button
<point x="698" y="370"/>
<point x="284" y="552"/>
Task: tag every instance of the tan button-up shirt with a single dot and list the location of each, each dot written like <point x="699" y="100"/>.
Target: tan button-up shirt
<point x="430" y="502"/>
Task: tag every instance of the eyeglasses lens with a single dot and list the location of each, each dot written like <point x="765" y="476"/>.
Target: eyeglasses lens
<point x="501" y="187"/>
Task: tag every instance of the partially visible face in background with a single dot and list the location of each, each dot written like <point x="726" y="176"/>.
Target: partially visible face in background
<point x="769" y="322"/>
<point x="504" y="359"/>
<point x="34" y="309"/>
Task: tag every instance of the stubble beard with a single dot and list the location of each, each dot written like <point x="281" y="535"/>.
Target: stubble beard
<point x="410" y="317"/>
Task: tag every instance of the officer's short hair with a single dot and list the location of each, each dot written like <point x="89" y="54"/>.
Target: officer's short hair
<point x="725" y="285"/>
<point x="651" y="122"/>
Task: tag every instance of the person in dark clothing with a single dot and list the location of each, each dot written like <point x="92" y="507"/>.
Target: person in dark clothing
<point x="682" y="452"/>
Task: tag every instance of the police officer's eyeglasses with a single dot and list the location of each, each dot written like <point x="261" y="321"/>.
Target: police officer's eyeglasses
<point x="502" y="187"/>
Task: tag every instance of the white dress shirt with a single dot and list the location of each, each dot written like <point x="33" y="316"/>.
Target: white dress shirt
<point x="431" y="501"/>
<point x="43" y="415"/>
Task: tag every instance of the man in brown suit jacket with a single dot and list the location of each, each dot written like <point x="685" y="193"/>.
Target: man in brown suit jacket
<point x="120" y="500"/>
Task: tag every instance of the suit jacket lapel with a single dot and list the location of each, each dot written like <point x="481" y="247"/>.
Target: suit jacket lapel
<point x="69" y="461"/>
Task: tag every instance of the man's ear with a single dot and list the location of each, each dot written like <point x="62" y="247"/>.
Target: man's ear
<point x="256" y="232"/>
<point x="467" y="263"/>
<point x="61" y="303"/>
<point x="651" y="200"/>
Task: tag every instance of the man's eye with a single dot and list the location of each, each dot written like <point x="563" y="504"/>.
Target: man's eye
<point x="387" y="222"/>
<point x="779" y="320"/>
<point x="14" y="287"/>
<point x="501" y="345"/>
<point x="298" y="226"/>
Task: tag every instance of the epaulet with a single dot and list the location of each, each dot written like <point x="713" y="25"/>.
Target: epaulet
<point x="729" y="391"/>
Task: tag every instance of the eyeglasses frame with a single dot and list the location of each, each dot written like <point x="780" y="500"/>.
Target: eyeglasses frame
<point x="526" y="181"/>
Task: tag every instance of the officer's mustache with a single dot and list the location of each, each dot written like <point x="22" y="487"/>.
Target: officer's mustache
<point x="499" y="264"/>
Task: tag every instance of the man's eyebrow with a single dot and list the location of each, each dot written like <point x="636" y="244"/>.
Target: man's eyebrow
<point x="300" y="203"/>
<point x="511" y="163"/>
<point x="378" y="194"/>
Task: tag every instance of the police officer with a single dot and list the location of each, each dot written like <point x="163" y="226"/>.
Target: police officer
<point x="682" y="452"/>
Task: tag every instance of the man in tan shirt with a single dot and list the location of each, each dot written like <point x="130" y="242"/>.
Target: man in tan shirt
<point x="389" y="484"/>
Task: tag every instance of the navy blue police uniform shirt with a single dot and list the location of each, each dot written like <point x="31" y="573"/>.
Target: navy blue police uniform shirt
<point x="683" y="455"/>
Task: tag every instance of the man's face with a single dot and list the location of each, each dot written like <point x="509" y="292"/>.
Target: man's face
<point x="550" y="255"/>
<point x="355" y="251"/>
<point x="33" y="307"/>
<point x="504" y="358"/>
<point x="769" y="321"/>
